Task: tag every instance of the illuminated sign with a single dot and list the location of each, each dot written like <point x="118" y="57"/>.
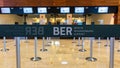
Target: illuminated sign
<point x="42" y="10"/>
<point x="27" y="10"/>
<point x="64" y="10"/>
<point x="79" y="9"/>
<point x="102" y="9"/>
<point x="5" y="10"/>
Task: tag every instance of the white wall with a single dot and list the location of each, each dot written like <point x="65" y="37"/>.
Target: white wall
<point x="10" y="19"/>
<point x="108" y="18"/>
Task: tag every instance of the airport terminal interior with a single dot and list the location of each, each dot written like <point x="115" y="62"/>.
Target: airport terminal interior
<point x="55" y="18"/>
<point x="59" y="51"/>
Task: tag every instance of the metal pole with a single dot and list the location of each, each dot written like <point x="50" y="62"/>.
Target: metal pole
<point x="78" y="41"/>
<point x="18" y="62"/>
<point x="82" y="50"/>
<point x="35" y="50"/>
<point x="4" y="48"/>
<point x="99" y="40"/>
<point x="49" y="39"/>
<point x="73" y="40"/>
<point x="4" y="43"/>
<point x="91" y="58"/>
<point x="26" y="39"/>
<point x="43" y="48"/>
<point x="47" y="42"/>
<point x="119" y="46"/>
<point x="15" y="38"/>
<point x="91" y="47"/>
<point x="111" y="65"/>
<point x="35" y="58"/>
<point x="107" y="43"/>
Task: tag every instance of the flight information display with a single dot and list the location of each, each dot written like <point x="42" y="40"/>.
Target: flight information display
<point x="42" y="10"/>
<point x="5" y="10"/>
<point x="27" y="10"/>
<point x="102" y="9"/>
<point x="79" y="9"/>
<point x="59" y="10"/>
<point x="65" y="10"/>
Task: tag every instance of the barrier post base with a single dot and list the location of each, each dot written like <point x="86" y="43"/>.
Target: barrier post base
<point x="43" y="50"/>
<point x="98" y="42"/>
<point x="73" y="42"/>
<point x="47" y="45"/>
<point x="3" y="41"/>
<point x="35" y="59"/>
<point x="118" y="50"/>
<point x="49" y="42"/>
<point x="82" y="50"/>
<point x="4" y="50"/>
<point x="78" y="45"/>
<point x="106" y="45"/>
<point x="92" y="59"/>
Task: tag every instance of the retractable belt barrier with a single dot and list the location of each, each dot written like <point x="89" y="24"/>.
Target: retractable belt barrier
<point x="60" y="30"/>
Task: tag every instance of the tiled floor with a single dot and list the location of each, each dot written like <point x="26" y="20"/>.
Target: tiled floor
<point x="66" y="52"/>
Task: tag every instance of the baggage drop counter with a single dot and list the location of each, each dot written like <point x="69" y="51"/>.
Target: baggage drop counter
<point x="56" y="23"/>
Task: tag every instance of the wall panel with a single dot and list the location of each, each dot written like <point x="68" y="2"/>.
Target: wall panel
<point x="59" y="2"/>
<point x="1" y="2"/>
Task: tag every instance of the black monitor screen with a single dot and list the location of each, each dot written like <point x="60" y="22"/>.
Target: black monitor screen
<point x="27" y="10"/>
<point x="16" y="10"/>
<point x="79" y="9"/>
<point x="102" y="9"/>
<point x="5" y="10"/>
<point x="65" y="10"/>
<point x="42" y="10"/>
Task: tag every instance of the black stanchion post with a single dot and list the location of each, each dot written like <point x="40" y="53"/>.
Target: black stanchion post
<point x="35" y="58"/>
<point x="91" y="58"/>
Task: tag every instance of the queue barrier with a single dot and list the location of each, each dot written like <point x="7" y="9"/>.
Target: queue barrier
<point x="61" y="31"/>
